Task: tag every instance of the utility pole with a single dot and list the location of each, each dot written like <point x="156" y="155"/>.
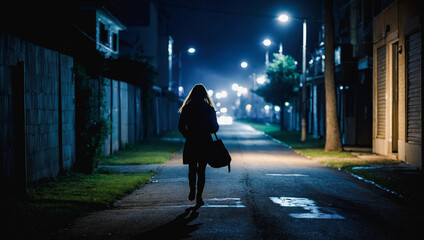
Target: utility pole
<point x="303" y="107"/>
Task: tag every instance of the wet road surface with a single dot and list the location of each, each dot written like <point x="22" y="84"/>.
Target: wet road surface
<point x="270" y="193"/>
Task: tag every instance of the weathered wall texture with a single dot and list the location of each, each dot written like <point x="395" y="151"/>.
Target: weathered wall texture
<point x="49" y="109"/>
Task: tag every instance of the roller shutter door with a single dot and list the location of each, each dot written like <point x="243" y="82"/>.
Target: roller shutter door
<point x="414" y="88"/>
<point x="381" y="92"/>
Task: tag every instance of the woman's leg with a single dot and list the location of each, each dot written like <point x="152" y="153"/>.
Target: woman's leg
<point x="200" y="182"/>
<point x="192" y="170"/>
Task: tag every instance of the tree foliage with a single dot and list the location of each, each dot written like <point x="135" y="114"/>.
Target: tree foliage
<point x="283" y="80"/>
<point x="91" y="121"/>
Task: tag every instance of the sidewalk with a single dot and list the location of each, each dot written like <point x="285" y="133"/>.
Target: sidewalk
<point x="134" y="168"/>
<point x="407" y="180"/>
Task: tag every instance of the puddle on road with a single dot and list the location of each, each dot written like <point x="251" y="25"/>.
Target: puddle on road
<point x="217" y="203"/>
<point x="309" y="205"/>
<point x="224" y="203"/>
<point x="286" y="175"/>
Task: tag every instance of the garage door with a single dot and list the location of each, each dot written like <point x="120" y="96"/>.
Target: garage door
<point x="414" y="89"/>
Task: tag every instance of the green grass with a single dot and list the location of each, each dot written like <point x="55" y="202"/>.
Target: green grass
<point x="53" y="203"/>
<point x="152" y="151"/>
<point x="50" y="204"/>
<point x="312" y="147"/>
<point x="349" y="164"/>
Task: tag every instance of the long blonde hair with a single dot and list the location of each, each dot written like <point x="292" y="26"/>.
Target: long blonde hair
<point x="197" y="94"/>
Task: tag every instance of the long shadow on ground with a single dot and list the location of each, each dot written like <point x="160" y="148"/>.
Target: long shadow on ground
<point x="178" y="228"/>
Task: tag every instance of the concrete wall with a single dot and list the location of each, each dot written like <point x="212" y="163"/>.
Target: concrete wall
<point x="48" y="89"/>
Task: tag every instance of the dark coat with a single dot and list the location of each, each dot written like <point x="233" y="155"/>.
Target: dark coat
<point x="197" y="122"/>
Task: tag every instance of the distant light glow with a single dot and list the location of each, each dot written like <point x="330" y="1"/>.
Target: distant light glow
<point x="267" y="42"/>
<point x="225" y="120"/>
<point x="261" y="79"/>
<point x="283" y="18"/>
<point x="218" y="104"/>
<point x="286" y="104"/>
<point x="234" y="87"/>
<point x="210" y="93"/>
<point x="218" y="95"/>
<point x="180" y="88"/>
<point x="266" y="107"/>
<point x="243" y="64"/>
<point x="223" y="110"/>
<point x="277" y="108"/>
<point x="341" y="87"/>
<point x="248" y="107"/>
<point x="191" y="50"/>
<point x="224" y="94"/>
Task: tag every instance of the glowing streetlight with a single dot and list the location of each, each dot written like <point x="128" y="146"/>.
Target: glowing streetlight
<point x="180" y="76"/>
<point x="261" y="79"/>
<point x="283" y="18"/>
<point x="267" y="43"/>
<point x="243" y="64"/>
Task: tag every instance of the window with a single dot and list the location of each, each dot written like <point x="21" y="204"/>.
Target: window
<point x="103" y="34"/>
<point x="114" y="42"/>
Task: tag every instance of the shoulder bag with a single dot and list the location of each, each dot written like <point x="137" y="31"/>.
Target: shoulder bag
<point x="218" y="155"/>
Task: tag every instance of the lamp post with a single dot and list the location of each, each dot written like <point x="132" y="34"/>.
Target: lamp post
<point x="267" y="43"/>
<point x="285" y="18"/>
<point x="180" y="76"/>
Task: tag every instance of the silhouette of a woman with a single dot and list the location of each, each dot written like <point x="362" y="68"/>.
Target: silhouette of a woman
<point x="197" y="122"/>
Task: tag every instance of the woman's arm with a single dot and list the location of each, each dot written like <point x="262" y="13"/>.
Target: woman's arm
<point x="182" y="126"/>
<point x="214" y="122"/>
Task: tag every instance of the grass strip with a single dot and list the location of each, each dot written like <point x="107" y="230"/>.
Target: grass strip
<point x="311" y="148"/>
<point x="53" y="203"/>
<point x="151" y="151"/>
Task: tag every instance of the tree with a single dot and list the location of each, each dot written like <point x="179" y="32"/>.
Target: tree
<point x="333" y="140"/>
<point x="283" y="79"/>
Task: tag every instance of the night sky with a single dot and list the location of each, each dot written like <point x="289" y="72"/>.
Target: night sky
<point x="227" y="32"/>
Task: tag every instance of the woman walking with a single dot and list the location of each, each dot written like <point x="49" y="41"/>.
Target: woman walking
<point x="197" y="122"/>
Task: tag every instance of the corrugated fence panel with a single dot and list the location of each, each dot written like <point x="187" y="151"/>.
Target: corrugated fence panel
<point x="414" y="79"/>
<point x="381" y="92"/>
<point x="68" y="111"/>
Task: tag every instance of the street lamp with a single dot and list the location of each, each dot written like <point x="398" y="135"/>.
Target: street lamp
<point x="267" y="43"/>
<point x="243" y="64"/>
<point x="285" y="18"/>
<point x="180" y="76"/>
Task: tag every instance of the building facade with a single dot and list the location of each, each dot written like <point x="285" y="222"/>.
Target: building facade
<point x="397" y="82"/>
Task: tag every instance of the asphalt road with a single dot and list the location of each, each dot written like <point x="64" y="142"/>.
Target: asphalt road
<point x="271" y="193"/>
